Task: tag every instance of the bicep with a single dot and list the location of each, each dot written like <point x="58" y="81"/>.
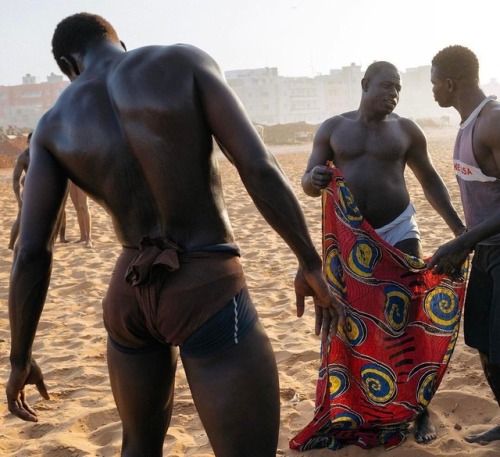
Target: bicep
<point x="322" y="150"/>
<point x="491" y="139"/>
<point x="419" y="159"/>
<point x="227" y="117"/>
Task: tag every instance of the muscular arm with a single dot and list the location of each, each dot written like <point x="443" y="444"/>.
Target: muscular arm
<point x="260" y="172"/>
<point x="317" y="175"/>
<point x="269" y="189"/>
<point x="435" y="190"/>
<point x="449" y="257"/>
<point x="44" y="193"/>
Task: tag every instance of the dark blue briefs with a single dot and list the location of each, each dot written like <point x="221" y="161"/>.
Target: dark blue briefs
<point x="223" y="331"/>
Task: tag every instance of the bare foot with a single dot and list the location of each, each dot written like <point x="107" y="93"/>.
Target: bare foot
<point x="88" y="244"/>
<point x="424" y="429"/>
<point x="485" y="437"/>
<point x="63" y="240"/>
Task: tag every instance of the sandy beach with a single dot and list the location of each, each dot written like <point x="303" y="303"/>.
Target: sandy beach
<point x="80" y="419"/>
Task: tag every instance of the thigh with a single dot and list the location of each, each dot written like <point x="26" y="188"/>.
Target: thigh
<point x="482" y="303"/>
<point x="477" y="319"/>
<point x="494" y="330"/>
<point x="236" y="394"/>
<point x="411" y="246"/>
<point x="143" y="384"/>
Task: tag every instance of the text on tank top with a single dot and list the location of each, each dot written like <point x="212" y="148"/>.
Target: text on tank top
<point x="480" y="193"/>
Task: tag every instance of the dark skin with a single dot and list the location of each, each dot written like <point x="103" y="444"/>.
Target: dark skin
<point x="372" y="146"/>
<point x="134" y="132"/>
<point x="18" y="177"/>
<point x="465" y="96"/>
<point x="18" y="174"/>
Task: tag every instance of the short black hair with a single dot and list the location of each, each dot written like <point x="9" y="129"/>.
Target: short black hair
<point x="74" y="33"/>
<point x="375" y="68"/>
<point x="456" y="62"/>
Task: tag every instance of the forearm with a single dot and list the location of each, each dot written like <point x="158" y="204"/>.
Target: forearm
<point x="488" y="228"/>
<point x="441" y="202"/>
<point x="28" y="288"/>
<point x="17" y="191"/>
<point x="308" y="186"/>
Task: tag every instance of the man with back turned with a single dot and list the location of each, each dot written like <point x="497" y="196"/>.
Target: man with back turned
<point x="134" y="130"/>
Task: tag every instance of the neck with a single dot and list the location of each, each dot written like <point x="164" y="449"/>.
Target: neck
<point x="99" y="55"/>
<point x="468" y="102"/>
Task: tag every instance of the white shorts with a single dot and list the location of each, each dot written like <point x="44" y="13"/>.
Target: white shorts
<point x="402" y="228"/>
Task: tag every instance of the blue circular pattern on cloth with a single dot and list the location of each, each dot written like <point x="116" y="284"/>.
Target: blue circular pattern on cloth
<point x="363" y="257"/>
<point x="379" y="383"/>
<point x="397" y="306"/>
<point x="442" y="307"/>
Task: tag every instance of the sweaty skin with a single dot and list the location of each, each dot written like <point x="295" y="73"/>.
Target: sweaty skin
<point x="134" y="131"/>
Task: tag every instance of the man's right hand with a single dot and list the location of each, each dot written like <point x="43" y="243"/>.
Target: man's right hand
<point x="320" y="176"/>
<point x="16" y="399"/>
<point x="329" y="311"/>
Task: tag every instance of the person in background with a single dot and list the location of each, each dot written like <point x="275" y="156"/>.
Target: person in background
<point x="80" y="201"/>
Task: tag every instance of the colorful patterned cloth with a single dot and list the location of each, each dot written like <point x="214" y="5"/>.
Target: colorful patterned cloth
<point x="402" y="323"/>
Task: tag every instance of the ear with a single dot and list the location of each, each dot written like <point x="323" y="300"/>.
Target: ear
<point x="364" y="84"/>
<point x="450" y="85"/>
<point x="70" y="64"/>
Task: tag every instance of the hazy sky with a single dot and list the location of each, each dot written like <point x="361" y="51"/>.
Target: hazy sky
<point x="300" y="37"/>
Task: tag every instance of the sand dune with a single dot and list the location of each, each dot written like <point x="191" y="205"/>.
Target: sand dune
<point x="80" y="419"/>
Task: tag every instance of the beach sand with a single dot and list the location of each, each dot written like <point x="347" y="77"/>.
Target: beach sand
<point x="80" y="419"/>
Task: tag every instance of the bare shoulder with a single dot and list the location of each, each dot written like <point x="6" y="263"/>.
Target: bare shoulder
<point x="486" y="129"/>
<point x="490" y="113"/>
<point x="410" y="126"/>
<point x="180" y="54"/>
<point x="334" y="122"/>
<point x="23" y="157"/>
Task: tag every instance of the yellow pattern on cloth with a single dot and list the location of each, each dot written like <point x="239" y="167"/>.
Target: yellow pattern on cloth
<point x="402" y="323"/>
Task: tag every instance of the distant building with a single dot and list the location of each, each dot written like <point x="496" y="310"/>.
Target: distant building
<point x="271" y="99"/>
<point x="23" y="105"/>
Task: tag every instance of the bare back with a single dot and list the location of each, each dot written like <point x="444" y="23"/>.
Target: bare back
<point x="139" y="145"/>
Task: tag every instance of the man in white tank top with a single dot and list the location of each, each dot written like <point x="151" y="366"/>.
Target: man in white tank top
<point x="455" y="81"/>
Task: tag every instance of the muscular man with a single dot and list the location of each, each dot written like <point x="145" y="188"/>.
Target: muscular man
<point x="372" y="146"/>
<point x="18" y="175"/>
<point x="135" y="130"/>
<point x="476" y="158"/>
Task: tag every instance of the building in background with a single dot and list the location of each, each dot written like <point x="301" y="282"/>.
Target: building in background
<point x="270" y="99"/>
<point x="23" y="105"/>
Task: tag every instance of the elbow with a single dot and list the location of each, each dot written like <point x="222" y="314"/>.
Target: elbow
<point x="307" y="187"/>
